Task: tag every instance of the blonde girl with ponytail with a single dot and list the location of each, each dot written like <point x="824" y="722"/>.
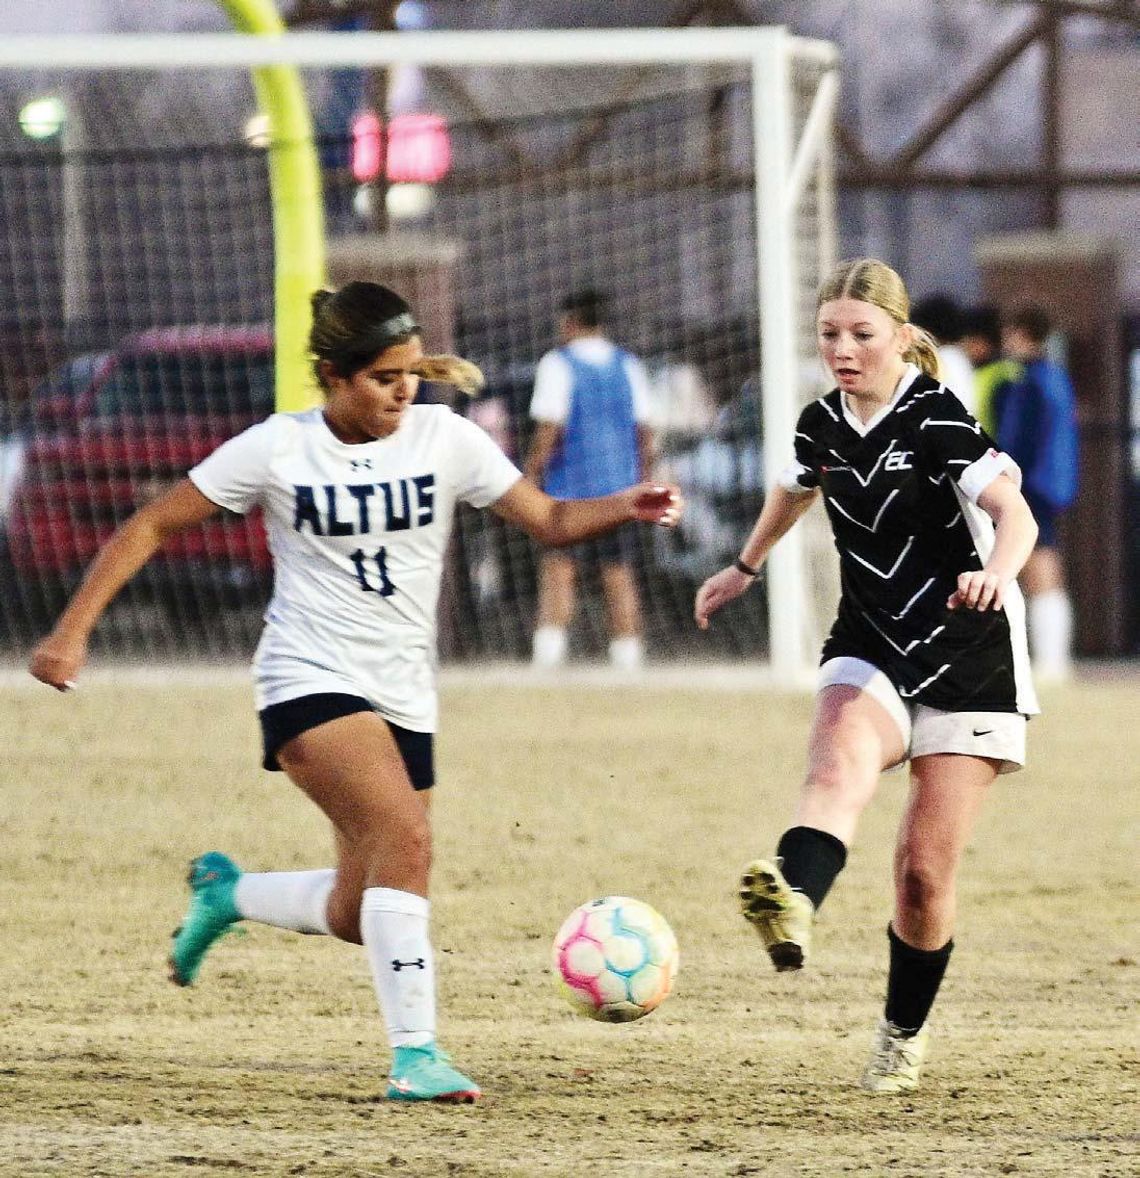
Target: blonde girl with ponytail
<point x="867" y="280"/>
<point x="927" y="659"/>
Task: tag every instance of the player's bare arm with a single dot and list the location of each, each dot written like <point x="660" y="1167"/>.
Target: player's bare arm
<point x="558" y="522"/>
<point x="646" y="450"/>
<point x="781" y="511"/>
<point x="547" y="438"/>
<point x="58" y="659"/>
<point x="1015" y="533"/>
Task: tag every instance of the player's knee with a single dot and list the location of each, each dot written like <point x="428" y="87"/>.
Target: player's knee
<point x="840" y="781"/>
<point x="416" y="846"/>
<point x="922" y="881"/>
<point x="397" y="851"/>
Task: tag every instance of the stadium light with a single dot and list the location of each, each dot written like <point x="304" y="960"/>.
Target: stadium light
<point x="411" y="14"/>
<point x="43" y="118"/>
<point x="409" y="202"/>
<point x="256" y="130"/>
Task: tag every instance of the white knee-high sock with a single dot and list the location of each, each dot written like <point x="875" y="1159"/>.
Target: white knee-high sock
<point x="1050" y="616"/>
<point x="295" y="900"/>
<point x="394" y="928"/>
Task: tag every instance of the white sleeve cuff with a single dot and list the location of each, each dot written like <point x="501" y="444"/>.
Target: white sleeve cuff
<point x="978" y="475"/>
<point x="789" y="478"/>
<point x="227" y="502"/>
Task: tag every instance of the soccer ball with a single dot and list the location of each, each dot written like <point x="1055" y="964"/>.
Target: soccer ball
<point x="615" y="958"/>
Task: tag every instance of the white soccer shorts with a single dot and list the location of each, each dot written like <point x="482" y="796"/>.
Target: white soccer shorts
<point x="1000" y="735"/>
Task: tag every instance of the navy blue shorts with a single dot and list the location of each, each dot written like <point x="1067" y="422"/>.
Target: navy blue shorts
<point x="1046" y="517"/>
<point x="281" y="722"/>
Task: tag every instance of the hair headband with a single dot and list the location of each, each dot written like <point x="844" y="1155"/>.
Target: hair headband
<point x="390" y="330"/>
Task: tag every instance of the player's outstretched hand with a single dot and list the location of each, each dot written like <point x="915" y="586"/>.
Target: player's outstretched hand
<point x="657" y="503"/>
<point x="977" y="590"/>
<point x="58" y="661"/>
<point x="718" y="590"/>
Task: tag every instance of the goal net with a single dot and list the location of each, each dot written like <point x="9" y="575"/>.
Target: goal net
<point x="686" y="176"/>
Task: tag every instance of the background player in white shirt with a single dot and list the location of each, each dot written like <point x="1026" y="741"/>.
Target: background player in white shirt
<point x="927" y="660"/>
<point x="358" y="499"/>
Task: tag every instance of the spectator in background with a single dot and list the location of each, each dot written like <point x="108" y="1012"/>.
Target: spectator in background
<point x="592" y="408"/>
<point x="941" y="317"/>
<point x="993" y="372"/>
<point x="1037" y="427"/>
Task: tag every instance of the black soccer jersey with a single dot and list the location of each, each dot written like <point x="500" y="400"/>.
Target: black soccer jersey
<point x="901" y="495"/>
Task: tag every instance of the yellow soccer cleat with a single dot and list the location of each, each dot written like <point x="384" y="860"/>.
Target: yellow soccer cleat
<point x="781" y="915"/>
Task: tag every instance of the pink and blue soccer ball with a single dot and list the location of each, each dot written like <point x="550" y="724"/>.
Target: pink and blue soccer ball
<point x="615" y="959"/>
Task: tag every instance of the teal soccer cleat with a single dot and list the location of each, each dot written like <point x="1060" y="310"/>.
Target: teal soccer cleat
<point x="211" y="913"/>
<point x="425" y="1073"/>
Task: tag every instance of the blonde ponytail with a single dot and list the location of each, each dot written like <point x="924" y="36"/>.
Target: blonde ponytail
<point x="924" y="352"/>
<point x="452" y="370"/>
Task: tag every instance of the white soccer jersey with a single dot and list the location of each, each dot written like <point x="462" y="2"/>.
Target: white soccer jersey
<point x="358" y="534"/>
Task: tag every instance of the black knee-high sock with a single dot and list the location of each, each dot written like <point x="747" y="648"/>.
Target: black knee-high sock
<point x="913" y="982"/>
<point x="811" y="861"/>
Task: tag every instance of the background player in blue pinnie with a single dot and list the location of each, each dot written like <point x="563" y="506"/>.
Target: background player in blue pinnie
<point x="591" y="407"/>
<point x="1037" y="427"/>
<point x="927" y="660"/>
<point x="358" y="497"/>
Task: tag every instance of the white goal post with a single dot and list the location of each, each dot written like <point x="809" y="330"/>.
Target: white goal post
<point x="792" y="83"/>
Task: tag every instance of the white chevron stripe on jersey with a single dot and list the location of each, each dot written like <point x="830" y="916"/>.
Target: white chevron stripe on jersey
<point x="863" y="482"/>
<point x="918" y="397"/>
<point x="972" y="426"/>
<point x="830" y="412"/>
<point x="906" y="608"/>
<point x="879" y="572"/>
<point x="873" y="527"/>
<point x="925" y="683"/>
<point x="904" y="650"/>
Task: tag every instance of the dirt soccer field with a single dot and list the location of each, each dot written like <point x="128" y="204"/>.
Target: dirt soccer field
<point x="273" y="1064"/>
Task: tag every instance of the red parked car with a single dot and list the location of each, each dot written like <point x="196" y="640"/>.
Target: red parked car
<point x="151" y="408"/>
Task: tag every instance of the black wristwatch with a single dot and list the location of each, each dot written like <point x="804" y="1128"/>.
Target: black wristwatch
<point x="746" y="569"/>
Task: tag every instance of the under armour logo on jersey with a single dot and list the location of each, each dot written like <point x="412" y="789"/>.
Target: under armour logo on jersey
<point x="360" y="463"/>
<point x="398" y="965"/>
<point x="899" y="460"/>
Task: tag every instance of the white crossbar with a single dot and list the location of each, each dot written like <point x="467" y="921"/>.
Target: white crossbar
<point x="548" y="47"/>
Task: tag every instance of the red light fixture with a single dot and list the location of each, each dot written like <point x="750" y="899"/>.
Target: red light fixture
<point x="419" y="149"/>
<point x="367" y="147"/>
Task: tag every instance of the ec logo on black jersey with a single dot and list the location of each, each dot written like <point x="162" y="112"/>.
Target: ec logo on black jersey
<point x="899" y="460"/>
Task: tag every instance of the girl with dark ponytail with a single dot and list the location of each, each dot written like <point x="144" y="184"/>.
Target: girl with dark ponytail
<point x="358" y="497"/>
